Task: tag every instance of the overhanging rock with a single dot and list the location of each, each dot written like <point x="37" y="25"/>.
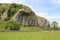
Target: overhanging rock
<point x="30" y="19"/>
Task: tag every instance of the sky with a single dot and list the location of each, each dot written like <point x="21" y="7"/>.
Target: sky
<point x="49" y="9"/>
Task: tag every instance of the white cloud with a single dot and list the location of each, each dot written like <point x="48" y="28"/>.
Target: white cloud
<point x="10" y="1"/>
<point x="46" y="15"/>
<point x="58" y="1"/>
<point x="5" y="1"/>
<point x="43" y="14"/>
<point x="55" y="1"/>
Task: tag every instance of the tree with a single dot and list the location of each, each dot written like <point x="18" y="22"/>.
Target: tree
<point x="54" y="24"/>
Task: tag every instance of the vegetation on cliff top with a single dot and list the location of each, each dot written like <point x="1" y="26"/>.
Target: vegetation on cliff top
<point x="12" y="9"/>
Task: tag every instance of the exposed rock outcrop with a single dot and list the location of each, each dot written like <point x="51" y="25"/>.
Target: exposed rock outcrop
<point x="4" y="16"/>
<point x="30" y="19"/>
<point x="43" y="22"/>
<point x="25" y="16"/>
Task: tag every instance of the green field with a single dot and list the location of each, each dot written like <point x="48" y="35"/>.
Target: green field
<point x="29" y="35"/>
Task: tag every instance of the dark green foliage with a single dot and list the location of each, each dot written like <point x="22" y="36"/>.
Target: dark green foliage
<point x="12" y="25"/>
<point x="13" y="9"/>
<point x="55" y="28"/>
<point x="9" y="25"/>
<point x="2" y="25"/>
<point x="55" y="25"/>
<point x="2" y="10"/>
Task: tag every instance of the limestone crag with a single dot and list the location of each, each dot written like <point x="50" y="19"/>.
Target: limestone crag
<point x="27" y="19"/>
<point x="22" y="14"/>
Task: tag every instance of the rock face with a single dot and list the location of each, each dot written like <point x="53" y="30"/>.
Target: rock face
<point x="30" y="19"/>
<point x="26" y="18"/>
<point x="43" y="22"/>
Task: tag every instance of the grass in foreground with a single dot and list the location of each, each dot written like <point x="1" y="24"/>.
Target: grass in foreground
<point x="29" y="35"/>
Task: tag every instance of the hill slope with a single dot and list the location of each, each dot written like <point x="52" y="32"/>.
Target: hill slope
<point x="22" y="14"/>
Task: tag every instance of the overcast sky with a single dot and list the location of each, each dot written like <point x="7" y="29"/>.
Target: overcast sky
<point x="49" y="9"/>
